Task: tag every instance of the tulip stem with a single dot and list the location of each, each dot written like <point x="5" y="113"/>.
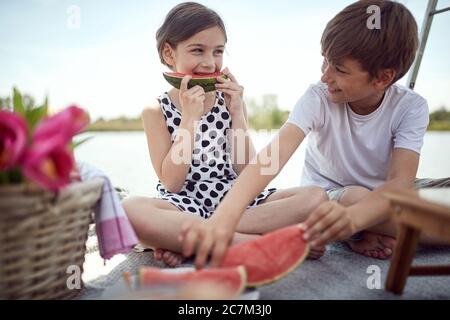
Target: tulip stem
<point x="4" y="178"/>
<point x="11" y="176"/>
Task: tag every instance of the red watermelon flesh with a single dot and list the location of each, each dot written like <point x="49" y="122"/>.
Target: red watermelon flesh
<point x="269" y="257"/>
<point x="233" y="278"/>
<point x="195" y="76"/>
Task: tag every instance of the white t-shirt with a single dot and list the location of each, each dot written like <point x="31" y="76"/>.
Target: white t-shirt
<point x="346" y="148"/>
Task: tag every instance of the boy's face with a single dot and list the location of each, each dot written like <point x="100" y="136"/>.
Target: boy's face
<point x="200" y="54"/>
<point x="348" y="82"/>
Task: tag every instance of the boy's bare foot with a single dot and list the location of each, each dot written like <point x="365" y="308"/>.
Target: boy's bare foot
<point x="374" y="245"/>
<point x="316" y="252"/>
<point x="170" y="258"/>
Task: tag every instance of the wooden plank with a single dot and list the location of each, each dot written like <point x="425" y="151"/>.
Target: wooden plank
<point x="411" y="199"/>
<point x="435" y="226"/>
<point x="429" y="270"/>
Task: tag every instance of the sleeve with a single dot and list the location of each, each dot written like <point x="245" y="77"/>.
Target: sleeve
<point x="308" y="112"/>
<point x="412" y="127"/>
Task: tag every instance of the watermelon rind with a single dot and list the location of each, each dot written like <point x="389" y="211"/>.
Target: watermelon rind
<point x="207" y="83"/>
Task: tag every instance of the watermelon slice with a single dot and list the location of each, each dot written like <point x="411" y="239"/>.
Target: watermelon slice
<point x="206" y="81"/>
<point x="233" y="279"/>
<point x="270" y="257"/>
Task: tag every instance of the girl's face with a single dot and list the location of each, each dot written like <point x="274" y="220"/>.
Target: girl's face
<point x="200" y="54"/>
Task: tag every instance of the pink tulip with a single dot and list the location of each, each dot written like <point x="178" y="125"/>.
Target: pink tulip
<point x="67" y="123"/>
<point x="13" y="139"/>
<point x="49" y="162"/>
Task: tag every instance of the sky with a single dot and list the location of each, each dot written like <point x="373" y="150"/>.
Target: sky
<point x="101" y="55"/>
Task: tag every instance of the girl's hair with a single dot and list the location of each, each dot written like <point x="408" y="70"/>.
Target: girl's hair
<point x="184" y="21"/>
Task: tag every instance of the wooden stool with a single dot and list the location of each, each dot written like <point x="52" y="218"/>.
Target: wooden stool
<point x="425" y="210"/>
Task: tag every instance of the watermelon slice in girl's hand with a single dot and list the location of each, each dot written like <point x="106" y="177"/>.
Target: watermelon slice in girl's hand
<point x="269" y="257"/>
<point x="206" y="81"/>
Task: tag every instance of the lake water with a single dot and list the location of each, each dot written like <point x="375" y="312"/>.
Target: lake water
<point x="124" y="157"/>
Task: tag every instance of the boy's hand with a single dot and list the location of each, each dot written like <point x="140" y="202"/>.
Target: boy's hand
<point x="205" y="238"/>
<point x="234" y="93"/>
<point x="328" y="223"/>
<point x="192" y="99"/>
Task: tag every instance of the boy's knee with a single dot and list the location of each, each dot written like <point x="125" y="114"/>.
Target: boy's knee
<point x="314" y="196"/>
<point x="353" y="195"/>
<point x="318" y="195"/>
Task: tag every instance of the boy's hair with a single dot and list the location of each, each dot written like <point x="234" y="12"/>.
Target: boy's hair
<point x="184" y="21"/>
<point x="394" y="45"/>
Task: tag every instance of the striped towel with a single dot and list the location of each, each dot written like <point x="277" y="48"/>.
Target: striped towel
<point x="114" y="231"/>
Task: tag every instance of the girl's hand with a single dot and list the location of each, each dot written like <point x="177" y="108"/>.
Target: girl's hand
<point x="191" y="100"/>
<point x="234" y="93"/>
<point x="205" y="238"/>
<point x="329" y="222"/>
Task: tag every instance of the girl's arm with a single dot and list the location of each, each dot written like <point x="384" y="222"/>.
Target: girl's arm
<point x="242" y="148"/>
<point x="214" y="235"/>
<point x="170" y="161"/>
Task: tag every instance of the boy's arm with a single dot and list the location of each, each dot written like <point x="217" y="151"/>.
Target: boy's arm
<point x="402" y="173"/>
<point x="332" y="221"/>
<point x="214" y="235"/>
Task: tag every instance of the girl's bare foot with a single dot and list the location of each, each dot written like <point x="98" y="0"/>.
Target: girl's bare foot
<point x="316" y="253"/>
<point x="374" y="245"/>
<point x="170" y="258"/>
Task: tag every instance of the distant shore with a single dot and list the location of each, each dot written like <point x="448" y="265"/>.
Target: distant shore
<point x="120" y="124"/>
<point x="126" y="124"/>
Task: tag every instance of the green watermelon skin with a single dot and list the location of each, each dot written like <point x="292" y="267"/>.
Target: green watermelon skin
<point x="207" y="82"/>
<point x="269" y="257"/>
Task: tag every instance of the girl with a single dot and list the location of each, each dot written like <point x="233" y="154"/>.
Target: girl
<point x="190" y="139"/>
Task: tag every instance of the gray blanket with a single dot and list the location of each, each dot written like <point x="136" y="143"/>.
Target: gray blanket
<point x="339" y="274"/>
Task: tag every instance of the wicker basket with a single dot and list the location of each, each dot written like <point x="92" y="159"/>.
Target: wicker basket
<point x="41" y="235"/>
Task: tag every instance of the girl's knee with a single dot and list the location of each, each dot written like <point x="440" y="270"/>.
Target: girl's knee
<point x="136" y="205"/>
<point x="129" y="203"/>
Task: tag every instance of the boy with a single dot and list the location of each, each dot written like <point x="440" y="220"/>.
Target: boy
<point x="365" y="135"/>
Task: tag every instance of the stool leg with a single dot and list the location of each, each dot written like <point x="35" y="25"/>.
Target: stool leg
<point x="407" y="239"/>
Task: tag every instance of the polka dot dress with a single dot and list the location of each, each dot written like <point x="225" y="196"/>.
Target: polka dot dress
<point x="211" y="174"/>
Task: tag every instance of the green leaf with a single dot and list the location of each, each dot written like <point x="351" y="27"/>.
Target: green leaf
<point x="77" y="143"/>
<point x="45" y="105"/>
<point x="17" y="102"/>
<point x="34" y="116"/>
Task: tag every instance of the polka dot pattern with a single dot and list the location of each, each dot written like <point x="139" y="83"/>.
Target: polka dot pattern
<point x="211" y="174"/>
